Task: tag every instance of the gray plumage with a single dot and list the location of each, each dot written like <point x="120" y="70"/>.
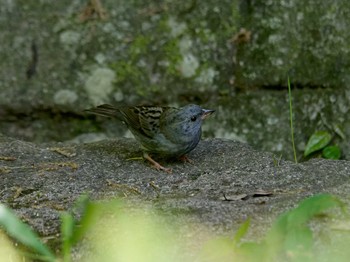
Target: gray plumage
<point x="166" y="131"/>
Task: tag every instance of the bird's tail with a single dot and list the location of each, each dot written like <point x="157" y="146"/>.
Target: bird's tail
<point x="104" y="110"/>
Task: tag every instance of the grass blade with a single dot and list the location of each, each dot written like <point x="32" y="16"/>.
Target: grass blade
<point x="291" y="121"/>
<point x="23" y="233"/>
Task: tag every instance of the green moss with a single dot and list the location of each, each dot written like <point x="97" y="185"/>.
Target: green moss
<point x="126" y="71"/>
<point x="153" y="60"/>
<point x="139" y="47"/>
<point x="172" y="55"/>
<point x="146" y="55"/>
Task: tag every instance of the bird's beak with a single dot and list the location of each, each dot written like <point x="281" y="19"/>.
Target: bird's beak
<point x="206" y="113"/>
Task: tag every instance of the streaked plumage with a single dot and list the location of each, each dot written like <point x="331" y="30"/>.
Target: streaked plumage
<point x="167" y="131"/>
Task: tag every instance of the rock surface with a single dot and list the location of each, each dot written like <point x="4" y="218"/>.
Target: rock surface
<point x="59" y="59"/>
<point x="228" y="182"/>
<point x="68" y="55"/>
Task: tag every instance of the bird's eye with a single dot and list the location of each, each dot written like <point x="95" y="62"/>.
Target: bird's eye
<point x="193" y="118"/>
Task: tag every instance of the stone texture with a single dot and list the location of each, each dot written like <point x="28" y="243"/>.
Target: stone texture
<point x="135" y="50"/>
<point x="170" y="53"/>
<point x="39" y="182"/>
<point x="306" y="40"/>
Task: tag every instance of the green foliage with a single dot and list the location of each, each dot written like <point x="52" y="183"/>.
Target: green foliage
<point x="67" y="230"/>
<point x="331" y="152"/>
<point x="71" y="233"/>
<point x="241" y="232"/>
<point x="319" y="141"/>
<point x="117" y="234"/>
<point x="24" y="234"/>
<point x="291" y="121"/>
<point x="289" y="239"/>
<point x="290" y="235"/>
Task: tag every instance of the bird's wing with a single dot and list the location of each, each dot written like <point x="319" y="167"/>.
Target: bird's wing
<point x="143" y="119"/>
<point x="104" y="110"/>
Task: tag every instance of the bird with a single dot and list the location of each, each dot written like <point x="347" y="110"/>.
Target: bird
<point x="161" y="130"/>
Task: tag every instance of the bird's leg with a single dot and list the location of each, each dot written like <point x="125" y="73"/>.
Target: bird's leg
<point x="156" y="164"/>
<point x="185" y="159"/>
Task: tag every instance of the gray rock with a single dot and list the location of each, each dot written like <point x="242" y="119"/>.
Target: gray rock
<point x="305" y="40"/>
<point x="174" y="54"/>
<point x="228" y="182"/>
<point x="61" y="56"/>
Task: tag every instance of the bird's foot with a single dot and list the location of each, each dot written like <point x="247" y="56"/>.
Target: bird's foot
<point x="156" y="165"/>
<point x="185" y="159"/>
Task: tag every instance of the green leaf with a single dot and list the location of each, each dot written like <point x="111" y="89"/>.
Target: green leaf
<point x="67" y="231"/>
<point x="83" y="206"/>
<point x="252" y="251"/>
<point x="91" y="213"/>
<point x="23" y="233"/>
<point x="299" y="243"/>
<point x="331" y="152"/>
<point x="339" y="131"/>
<point x="312" y="207"/>
<point x="219" y="249"/>
<point x="242" y="231"/>
<point x="317" y="141"/>
<point x="290" y="234"/>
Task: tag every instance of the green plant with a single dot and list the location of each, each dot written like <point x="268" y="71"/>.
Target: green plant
<point x="119" y="234"/>
<point x="291" y="121"/>
<point x="22" y="233"/>
<point x="289" y="239"/>
<point x="319" y="142"/>
<point x="70" y="232"/>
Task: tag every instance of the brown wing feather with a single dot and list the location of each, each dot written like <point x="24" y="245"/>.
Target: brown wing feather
<point x="104" y="110"/>
<point x="144" y="119"/>
<point x="141" y="120"/>
<point x="130" y="116"/>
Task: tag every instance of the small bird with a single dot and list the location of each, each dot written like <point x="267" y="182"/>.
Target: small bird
<point x="164" y="131"/>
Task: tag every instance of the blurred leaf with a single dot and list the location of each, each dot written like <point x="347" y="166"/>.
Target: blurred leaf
<point x="83" y="206"/>
<point x="8" y="249"/>
<point x="219" y="249"/>
<point x="336" y="250"/>
<point x="312" y="207"/>
<point x="67" y="231"/>
<point x="299" y="243"/>
<point x="224" y="248"/>
<point x="91" y="213"/>
<point x="251" y="251"/>
<point x="339" y="131"/>
<point x="317" y="141"/>
<point x="23" y="233"/>
<point x="331" y="152"/>
<point x="290" y="234"/>
<point x="242" y="231"/>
